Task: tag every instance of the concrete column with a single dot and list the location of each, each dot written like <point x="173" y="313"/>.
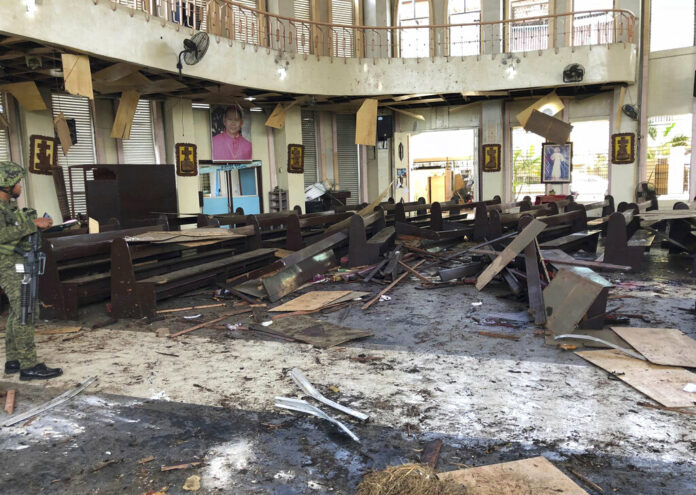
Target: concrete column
<point x="378" y="171"/>
<point x="623" y="178"/>
<point x="179" y="128"/>
<point x="260" y="151"/>
<point x="103" y="122"/>
<point x="291" y="133"/>
<point x="39" y="191"/>
<point x="492" y="125"/>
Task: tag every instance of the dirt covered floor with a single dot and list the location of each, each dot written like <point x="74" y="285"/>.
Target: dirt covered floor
<point x="426" y="374"/>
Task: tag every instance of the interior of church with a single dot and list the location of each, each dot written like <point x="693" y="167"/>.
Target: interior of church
<point x="360" y="246"/>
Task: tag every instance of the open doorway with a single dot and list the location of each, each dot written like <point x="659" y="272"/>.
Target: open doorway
<point x="443" y="164"/>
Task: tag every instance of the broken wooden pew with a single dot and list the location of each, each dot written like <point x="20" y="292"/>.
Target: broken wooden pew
<point x="77" y="271"/>
<point x="364" y="251"/>
<point x="625" y="243"/>
<point x="136" y="287"/>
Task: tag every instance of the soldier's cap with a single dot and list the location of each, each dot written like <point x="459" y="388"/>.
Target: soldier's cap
<point x="10" y="173"/>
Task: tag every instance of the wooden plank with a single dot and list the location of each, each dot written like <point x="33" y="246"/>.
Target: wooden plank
<point x="77" y="75"/>
<point x="666" y="346"/>
<point x="536" y="298"/>
<point x="528" y="476"/>
<point x="390" y="286"/>
<point x="115" y="72"/>
<point x="312" y="300"/>
<point x="63" y="132"/>
<point x="27" y="95"/>
<point x="366" y="123"/>
<point x="663" y="384"/>
<point x="407" y="113"/>
<point x="124" y="115"/>
<point x="414" y="272"/>
<point x="277" y="117"/>
<point x="10" y="401"/>
<point x="510" y="252"/>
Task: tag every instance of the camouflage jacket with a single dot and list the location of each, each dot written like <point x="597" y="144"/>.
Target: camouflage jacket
<point x="15" y="226"/>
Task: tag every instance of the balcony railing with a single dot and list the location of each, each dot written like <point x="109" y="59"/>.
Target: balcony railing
<point x="230" y="20"/>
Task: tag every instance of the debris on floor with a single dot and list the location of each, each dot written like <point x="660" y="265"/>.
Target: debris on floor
<point x="409" y="479"/>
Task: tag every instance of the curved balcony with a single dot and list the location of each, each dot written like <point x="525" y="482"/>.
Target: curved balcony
<point x="257" y="49"/>
<point x="227" y="19"/>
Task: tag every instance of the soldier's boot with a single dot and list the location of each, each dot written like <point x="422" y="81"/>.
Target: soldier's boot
<point x="11" y="367"/>
<point x="39" y="372"/>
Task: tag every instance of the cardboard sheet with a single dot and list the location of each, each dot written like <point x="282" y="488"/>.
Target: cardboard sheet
<point x="63" y="132"/>
<point x="535" y="476"/>
<point x="366" y="123"/>
<point x="663" y="384"/>
<point x="27" y="95"/>
<point x="320" y="334"/>
<point x="124" y="115"/>
<point x="550" y="104"/>
<point x="312" y="300"/>
<point x="666" y="346"/>
<point x="77" y="75"/>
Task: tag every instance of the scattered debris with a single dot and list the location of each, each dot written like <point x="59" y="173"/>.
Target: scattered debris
<point x="190" y="308"/>
<point x="192" y="484"/>
<point x="162" y="332"/>
<point x="304" y="384"/>
<point x="102" y="465"/>
<point x="534" y="476"/>
<point x="305" y="329"/>
<point x="499" y="335"/>
<point x="145" y="460"/>
<point x="431" y="453"/>
<point x="64" y="397"/>
<point x="305" y="407"/>
<point x="208" y="323"/>
<point x="407" y="479"/>
<point x="10" y="401"/>
<point x="180" y="466"/>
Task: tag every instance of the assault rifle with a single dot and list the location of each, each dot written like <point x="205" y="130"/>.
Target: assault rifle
<point x="32" y="268"/>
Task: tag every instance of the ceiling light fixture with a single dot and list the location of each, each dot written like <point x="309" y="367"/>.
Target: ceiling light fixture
<point x="256" y="109"/>
<point x="250" y="98"/>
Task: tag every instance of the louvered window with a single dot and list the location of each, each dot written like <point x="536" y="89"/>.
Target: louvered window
<point x="348" y="165"/>
<point x="140" y="148"/>
<point x="82" y="153"/>
<point x="303" y="32"/>
<point x="309" y="140"/>
<point x="342" y="37"/>
<point x="4" y="135"/>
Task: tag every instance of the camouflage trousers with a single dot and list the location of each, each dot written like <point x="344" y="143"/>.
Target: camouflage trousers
<point x="19" y="339"/>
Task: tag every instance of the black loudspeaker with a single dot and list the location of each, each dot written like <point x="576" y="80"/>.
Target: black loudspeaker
<point x="72" y="127"/>
<point x="385" y="127"/>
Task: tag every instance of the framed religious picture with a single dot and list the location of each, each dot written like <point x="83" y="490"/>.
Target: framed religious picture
<point x="623" y="148"/>
<point x="295" y="158"/>
<point x="491" y="157"/>
<point x="231" y="133"/>
<point x="186" y="160"/>
<point x="556" y="162"/>
<point x="42" y="154"/>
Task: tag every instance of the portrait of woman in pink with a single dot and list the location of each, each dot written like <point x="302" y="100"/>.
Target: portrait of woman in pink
<point x="228" y="142"/>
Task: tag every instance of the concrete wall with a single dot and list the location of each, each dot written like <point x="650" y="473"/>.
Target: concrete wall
<point x="252" y="66"/>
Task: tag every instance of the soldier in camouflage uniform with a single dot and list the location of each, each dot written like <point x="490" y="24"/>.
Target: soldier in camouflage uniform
<point x="15" y="226"/>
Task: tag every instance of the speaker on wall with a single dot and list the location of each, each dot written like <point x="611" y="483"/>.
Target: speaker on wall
<point x="385" y="127"/>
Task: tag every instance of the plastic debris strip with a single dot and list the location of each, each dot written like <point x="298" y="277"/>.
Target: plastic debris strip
<point x="193" y="317"/>
<point x="309" y="389"/>
<point x="690" y="387"/>
<point x="603" y="342"/>
<point x="305" y="407"/>
<point x="477" y="303"/>
<point x="384" y="298"/>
